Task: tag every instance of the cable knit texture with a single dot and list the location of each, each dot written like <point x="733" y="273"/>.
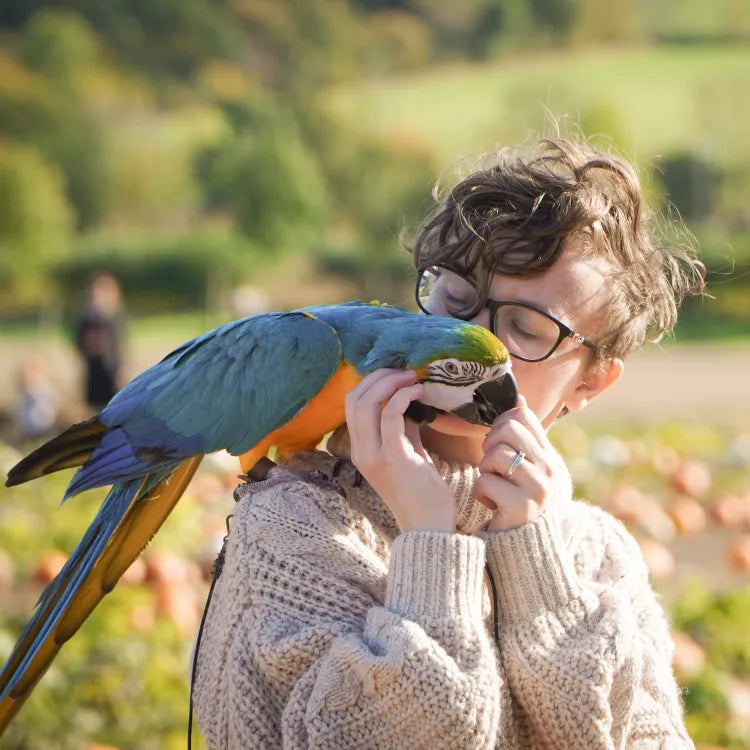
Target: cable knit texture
<point x="328" y="629"/>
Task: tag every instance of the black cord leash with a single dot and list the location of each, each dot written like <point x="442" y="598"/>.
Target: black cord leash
<point x="493" y="589"/>
<point x="215" y="573"/>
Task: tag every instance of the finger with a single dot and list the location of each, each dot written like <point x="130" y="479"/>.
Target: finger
<point x="515" y="436"/>
<point x="529" y="419"/>
<point x="500" y="460"/>
<point x="380" y="389"/>
<point x="519" y="416"/>
<point x="392" y="423"/>
<point x="510" y="502"/>
<point x="521" y="514"/>
<point x="411" y="430"/>
<point x="534" y="480"/>
<point x="354" y="396"/>
<point x="364" y="402"/>
<point x="374" y="382"/>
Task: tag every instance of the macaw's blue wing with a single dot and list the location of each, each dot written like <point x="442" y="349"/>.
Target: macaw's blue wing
<point x="226" y="389"/>
<point x="230" y="388"/>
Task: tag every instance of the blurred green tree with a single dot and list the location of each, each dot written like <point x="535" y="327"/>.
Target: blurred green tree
<point x="691" y="183"/>
<point x="36" y="223"/>
<point x="164" y="37"/>
<point x="556" y="16"/>
<point x="376" y="189"/>
<point x="67" y="137"/>
<point x="399" y="41"/>
<point x="267" y="177"/>
<point x="296" y="46"/>
<point x="58" y="43"/>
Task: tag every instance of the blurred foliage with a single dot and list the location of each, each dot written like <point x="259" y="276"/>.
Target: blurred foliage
<point x="152" y="121"/>
<point x="48" y="118"/>
<point x="267" y="176"/>
<point x="172" y="274"/>
<point x="59" y="44"/>
<point x="108" y="686"/>
<point x="35" y="222"/>
<point x="720" y="623"/>
<point x="691" y="184"/>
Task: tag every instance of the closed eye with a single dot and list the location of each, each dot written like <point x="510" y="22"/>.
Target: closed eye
<point x="516" y="329"/>
<point x="455" y="306"/>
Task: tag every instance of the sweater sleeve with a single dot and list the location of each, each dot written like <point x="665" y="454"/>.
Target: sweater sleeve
<point x="313" y="640"/>
<point x="587" y="661"/>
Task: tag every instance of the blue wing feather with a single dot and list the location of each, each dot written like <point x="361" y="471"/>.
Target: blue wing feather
<point x="226" y="389"/>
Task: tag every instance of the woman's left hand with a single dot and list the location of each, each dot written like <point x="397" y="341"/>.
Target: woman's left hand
<point x="540" y="479"/>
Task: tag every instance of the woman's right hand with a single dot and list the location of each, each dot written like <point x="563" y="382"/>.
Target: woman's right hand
<point x="388" y="452"/>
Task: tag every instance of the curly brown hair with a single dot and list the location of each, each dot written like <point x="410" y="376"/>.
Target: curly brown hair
<point x="513" y="215"/>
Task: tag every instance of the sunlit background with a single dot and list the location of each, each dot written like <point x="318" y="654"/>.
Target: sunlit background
<point x="222" y="158"/>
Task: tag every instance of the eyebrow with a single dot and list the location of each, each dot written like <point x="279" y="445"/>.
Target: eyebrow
<point x="534" y="303"/>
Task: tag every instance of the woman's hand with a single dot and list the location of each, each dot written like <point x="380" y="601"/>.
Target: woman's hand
<point x="387" y="451"/>
<point x="540" y="479"/>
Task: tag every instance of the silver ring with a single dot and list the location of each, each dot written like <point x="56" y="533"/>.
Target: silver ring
<point x="515" y="463"/>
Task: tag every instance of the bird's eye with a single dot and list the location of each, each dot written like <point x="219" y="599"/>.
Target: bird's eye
<point x="451" y="367"/>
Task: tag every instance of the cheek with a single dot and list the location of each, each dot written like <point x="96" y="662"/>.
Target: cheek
<point x="545" y="384"/>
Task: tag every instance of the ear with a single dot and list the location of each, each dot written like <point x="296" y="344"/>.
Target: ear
<point x="596" y="379"/>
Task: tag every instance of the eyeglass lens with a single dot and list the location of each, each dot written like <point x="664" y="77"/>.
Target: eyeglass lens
<point x="527" y="333"/>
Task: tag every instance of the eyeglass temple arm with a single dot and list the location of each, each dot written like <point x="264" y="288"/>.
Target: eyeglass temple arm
<point x="581" y="340"/>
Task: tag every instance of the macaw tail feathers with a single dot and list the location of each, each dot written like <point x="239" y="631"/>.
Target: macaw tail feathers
<point x="73" y="447"/>
<point x="131" y="514"/>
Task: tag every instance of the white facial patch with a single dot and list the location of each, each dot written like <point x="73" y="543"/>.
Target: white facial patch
<point x="447" y="397"/>
<point x="455" y="391"/>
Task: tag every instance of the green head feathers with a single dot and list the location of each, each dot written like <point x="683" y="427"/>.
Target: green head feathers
<point x="479" y="345"/>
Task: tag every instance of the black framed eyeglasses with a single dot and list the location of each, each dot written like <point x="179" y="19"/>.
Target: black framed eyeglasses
<point x="529" y="333"/>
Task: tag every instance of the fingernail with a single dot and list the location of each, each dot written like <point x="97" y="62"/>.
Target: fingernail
<point x="522" y="401"/>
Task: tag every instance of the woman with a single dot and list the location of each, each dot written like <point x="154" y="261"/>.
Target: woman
<point x="459" y="597"/>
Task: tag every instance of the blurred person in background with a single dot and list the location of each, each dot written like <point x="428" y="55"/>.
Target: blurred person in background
<point x="99" y="335"/>
<point x="39" y="404"/>
<point x="439" y="586"/>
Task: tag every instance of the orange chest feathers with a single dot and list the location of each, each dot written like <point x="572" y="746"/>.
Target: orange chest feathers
<point x="323" y="414"/>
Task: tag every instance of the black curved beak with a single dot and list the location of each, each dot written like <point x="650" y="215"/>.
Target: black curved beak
<point x="490" y="400"/>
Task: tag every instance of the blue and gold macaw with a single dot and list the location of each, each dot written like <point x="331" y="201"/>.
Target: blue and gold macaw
<point x="271" y="380"/>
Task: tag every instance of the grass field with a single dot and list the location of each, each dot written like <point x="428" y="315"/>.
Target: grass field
<point x="649" y="100"/>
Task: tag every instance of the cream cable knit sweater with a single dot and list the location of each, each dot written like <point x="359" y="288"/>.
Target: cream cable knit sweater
<point x="328" y="629"/>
